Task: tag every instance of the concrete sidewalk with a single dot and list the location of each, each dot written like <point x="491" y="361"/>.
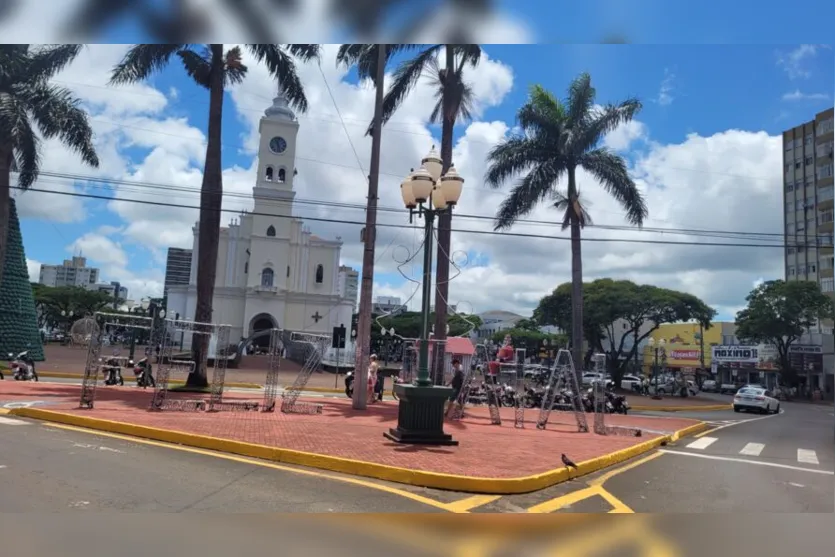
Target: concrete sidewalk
<point x="489" y="459"/>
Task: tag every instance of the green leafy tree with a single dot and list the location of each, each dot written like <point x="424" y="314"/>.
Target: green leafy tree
<point x="407" y="325"/>
<point x="213" y="67"/>
<point x="619" y="310"/>
<point x="51" y="302"/>
<point x="778" y="313"/>
<point x="29" y="101"/>
<point x="557" y="138"/>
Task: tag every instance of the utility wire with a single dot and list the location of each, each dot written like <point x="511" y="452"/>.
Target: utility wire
<point x="406" y="227"/>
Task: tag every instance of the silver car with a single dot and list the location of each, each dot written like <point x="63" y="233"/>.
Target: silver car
<point x="756" y="399"/>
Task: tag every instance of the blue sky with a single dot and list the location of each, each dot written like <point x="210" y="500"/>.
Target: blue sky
<point x="703" y="90"/>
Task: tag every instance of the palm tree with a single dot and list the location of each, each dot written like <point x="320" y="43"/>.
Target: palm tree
<point x="370" y="61"/>
<point x="214" y="68"/>
<point x="559" y="137"/>
<point x="454" y="99"/>
<point x="28" y="101"/>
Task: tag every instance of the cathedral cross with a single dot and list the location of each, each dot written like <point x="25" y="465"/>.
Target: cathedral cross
<point x="316" y="317"/>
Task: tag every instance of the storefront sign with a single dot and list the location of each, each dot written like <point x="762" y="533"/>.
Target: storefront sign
<point x="737" y="354"/>
<point x="806" y="349"/>
<point x="684" y="354"/>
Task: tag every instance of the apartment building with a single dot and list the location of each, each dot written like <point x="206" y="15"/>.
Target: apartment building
<point x="348" y="280"/>
<point x="72" y="272"/>
<point x="177" y="268"/>
<point x="808" y="203"/>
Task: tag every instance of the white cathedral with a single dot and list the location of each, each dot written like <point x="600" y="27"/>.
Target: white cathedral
<point x="271" y="271"/>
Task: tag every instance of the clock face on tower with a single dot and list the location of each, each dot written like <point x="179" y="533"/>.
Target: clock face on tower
<point x="278" y="145"/>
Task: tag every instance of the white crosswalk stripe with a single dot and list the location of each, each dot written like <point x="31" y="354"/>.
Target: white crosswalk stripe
<point x="807" y="456"/>
<point x="752" y="449"/>
<point x="702" y="443"/>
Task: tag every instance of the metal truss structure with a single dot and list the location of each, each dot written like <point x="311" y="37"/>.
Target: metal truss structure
<point x="271" y="384"/>
<point x="106" y="323"/>
<point x="599" y="391"/>
<point x="313" y="346"/>
<point x="565" y="375"/>
<point x="169" y="365"/>
<point x="518" y="403"/>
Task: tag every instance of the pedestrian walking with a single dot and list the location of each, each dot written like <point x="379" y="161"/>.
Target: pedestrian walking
<point x="457" y="382"/>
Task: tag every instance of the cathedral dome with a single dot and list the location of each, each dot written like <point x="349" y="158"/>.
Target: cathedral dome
<point x="280" y="109"/>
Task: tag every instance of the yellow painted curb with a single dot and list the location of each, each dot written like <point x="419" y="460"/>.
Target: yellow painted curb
<point x="231" y="384"/>
<point x="320" y="390"/>
<point x="703" y="408"/>
<point x="492" y="486"/>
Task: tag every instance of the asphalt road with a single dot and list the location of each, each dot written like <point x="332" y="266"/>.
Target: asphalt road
<point x="51" y="469"/>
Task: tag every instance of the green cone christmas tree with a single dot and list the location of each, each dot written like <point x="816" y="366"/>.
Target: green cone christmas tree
<point x="18" y="317"/>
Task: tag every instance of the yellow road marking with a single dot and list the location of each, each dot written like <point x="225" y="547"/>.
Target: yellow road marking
<point x="4" y="410"/>
<point x="618" y="506"/>
<point x="243" y="460"/>
<point x="634" y="530"/>
<point x="702" y="434"/>
<point x="600" y="480"/>
<point x="464" y="505"/>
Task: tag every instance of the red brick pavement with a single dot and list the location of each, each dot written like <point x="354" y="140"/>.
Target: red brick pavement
<point x="484" y="451"/>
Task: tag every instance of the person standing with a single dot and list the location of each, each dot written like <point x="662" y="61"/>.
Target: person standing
<point x="457" y="382"/>
<point x="373" y="368"/>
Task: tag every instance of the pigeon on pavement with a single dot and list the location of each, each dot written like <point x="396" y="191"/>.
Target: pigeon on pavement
<point x="568" y="462"/>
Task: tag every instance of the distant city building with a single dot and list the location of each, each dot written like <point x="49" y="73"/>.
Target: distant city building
<point x="388" y="305"/>
<point x="348" y="284"/>
<point x="495" y="321"/>
<point x="177" y="268"/>
<point x="114" y="289"/>
<point x="72" y="272"/>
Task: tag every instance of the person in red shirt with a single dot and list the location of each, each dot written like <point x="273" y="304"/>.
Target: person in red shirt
<point x="493" y="368"/>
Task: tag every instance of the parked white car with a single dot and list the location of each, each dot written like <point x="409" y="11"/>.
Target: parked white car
<point x="710" y="386"/>
<point x="629" y="382"/>
<point x="756" y="399"/>
<point x="591" y="378"/>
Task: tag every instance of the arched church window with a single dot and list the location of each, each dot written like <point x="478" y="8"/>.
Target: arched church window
<point x="271" y="231"/>
<point x="269" y="174"/>
<point x="282" y="175"/>
<point x="320" y="274"/>
<point x="267" y="276"/>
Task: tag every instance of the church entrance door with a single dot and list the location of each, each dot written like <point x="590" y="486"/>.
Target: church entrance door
<point x="260" y="323"/>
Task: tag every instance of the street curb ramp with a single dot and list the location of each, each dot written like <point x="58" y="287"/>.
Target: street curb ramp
<point x="230" y="384"/>
<point x="420" y="478"/>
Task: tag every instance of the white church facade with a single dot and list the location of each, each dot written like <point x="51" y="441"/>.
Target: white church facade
<point x="271" y="270"/>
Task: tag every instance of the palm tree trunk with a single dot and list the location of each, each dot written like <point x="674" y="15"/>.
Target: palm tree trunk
<point x="5" y="195"/>
<point x="367" y="286"/>
<point x="211" y="198"/>
<point x="576" y="279"/>
<point x="444" y="231"/>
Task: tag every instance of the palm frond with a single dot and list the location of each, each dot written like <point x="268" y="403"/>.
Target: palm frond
<point x="462" y="98"/>
<point x="305" y="52"/>
<point x="571" y="208"/>
<point x="57" y="113"/>
<point x="468" y="55"/>
<point x="46" y="61"/>
<point x="513" y="156"/>
<point x="27" y="150"/>
<point x="580" y="101"/>
<point x="13" y="61"/>
<point x="405" y="77"/>
<point x="281" y="66"/>
<point x="610" y="170"/>
<point x="364" y="57"/>
<point x="603" y="121"/>
<point x="142" y="60"/>
<point x="524" y="197"/>
<point x="234" y="68"/>
<point x="197" y="67"/>
<point x="543" y="114"/>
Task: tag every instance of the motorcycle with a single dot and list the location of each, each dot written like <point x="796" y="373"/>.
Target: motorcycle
<point x="112" y="372"/>
<point x="618" y="402"/>
<point x="22" y="367"/>
<point x="349" y="385"/>
<point x="143" y="372"/>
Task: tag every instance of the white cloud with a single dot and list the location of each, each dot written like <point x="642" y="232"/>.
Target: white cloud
<point x="665" y="92"/>
<point x="722" y="182"/>
<point x="34" y="268"/>
<point x="797" y="95"/>
<point x="794" y="61"/>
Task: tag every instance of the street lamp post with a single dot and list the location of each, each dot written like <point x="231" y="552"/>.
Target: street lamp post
<point x="420" y="418"/>
<point x="659" y="351"/>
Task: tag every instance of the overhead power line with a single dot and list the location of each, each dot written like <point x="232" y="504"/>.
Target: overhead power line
<point x="407" y="227"/>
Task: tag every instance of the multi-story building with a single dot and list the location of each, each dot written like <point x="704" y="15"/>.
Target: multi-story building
<point x="348" y="280"/>
<point x="177" y="268"/>
<point x="72" y="272"/>
<point x="114" y="288"/>
<point x="808" y="204"/>
<point x="388" y="305"/>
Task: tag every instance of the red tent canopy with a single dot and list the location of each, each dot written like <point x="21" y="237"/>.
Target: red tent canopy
<point x="457" y="346"/>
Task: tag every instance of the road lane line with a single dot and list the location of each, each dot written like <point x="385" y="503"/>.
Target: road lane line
<point x="746" y="461"/>
<point x="752" y="449"/>
<point x="464" y="505"/>
<point x="12" y="421"/>
<point x="807" y="456"/>
<point x="702" y="443"/>
<point x="714" y="430"/>
<point x="600" y="480"/>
